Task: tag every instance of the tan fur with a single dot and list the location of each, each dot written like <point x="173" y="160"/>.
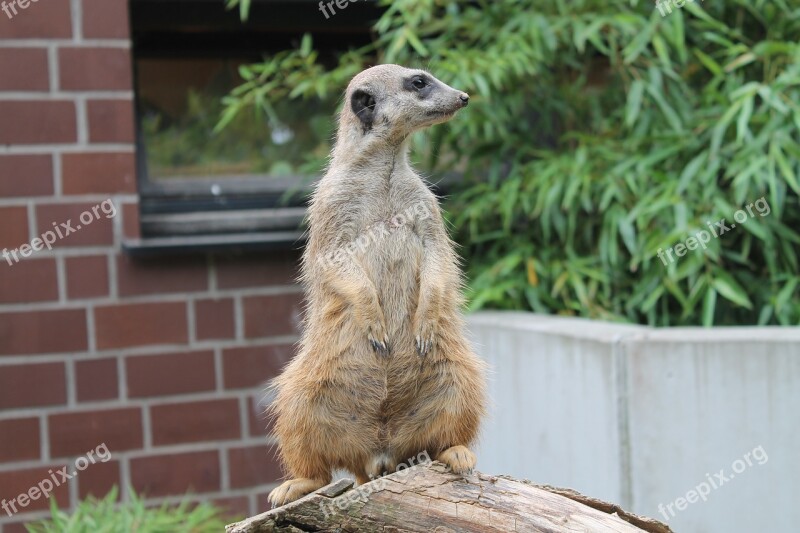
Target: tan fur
<point x="383" y="370"/>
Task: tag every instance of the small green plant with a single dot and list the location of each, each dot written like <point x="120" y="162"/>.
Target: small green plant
<point x="106" y="515"/>
<point x="598" y="134"/>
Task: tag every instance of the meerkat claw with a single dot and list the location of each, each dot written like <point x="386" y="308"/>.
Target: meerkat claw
<point x="293" y="489"/>
<point x="380" y="347"/>
<point x="460" y="460"/>
<point x="423" y="346"/>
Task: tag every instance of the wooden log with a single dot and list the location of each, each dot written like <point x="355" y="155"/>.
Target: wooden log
<point x="428" y="498"/>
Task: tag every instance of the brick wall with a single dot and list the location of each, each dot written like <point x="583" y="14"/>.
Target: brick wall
<point x="164" y="360"/>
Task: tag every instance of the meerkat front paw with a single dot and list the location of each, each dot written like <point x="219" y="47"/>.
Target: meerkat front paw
<point x="378" y="338"/>
<point x="425" y="337"/>
<point x="460" y="460"/>
<point x="292" y="490"/>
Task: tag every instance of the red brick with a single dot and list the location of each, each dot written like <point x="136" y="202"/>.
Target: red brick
<point x="98" y="232"/>
<point x="253" y="466"/>
<point x="166" y="374"/>
<point x="16" y="527"/>
<point x="32" y="385"/>
<point x="251" y="366"/>
<point x="50" y="19"/>
<point x="130" y="221"/>
<point x="179" y="423"/>
<point x="37" y="122"/>
<point x="257" y="270"/>
<point x="214" y="319"/>
<point x="29" y="281"/>
<point x="19" y="440"/>
<point x="99" y="173"/>
<point x="176" y="474"/>
<point x="30" y="332"/>
<point x="29" y="68"/>
<point x="14" y="229"/>
<point x="126" y="325"/>
<point x="265" y="316"/>
<point x="96" y="380"/>
<point x="98" y="479"/>
<point x="260" y="423"/>
<point x="33" y="280"/>
<point x="110" y="121"/>
<point x="26" y="175"/>
<point x="77" y="433"/>
<point x="16" y="482"/>
<point x="235" y="508"/>
<point x="105" y="19"/>
<point x="164" y="275"/>
<point x="95" y="69"/>
<point x="87" y="276"/>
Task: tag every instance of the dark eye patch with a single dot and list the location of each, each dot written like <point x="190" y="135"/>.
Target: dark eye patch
<point x="420" y="84"/>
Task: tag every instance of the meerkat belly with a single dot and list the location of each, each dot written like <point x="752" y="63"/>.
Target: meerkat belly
<point x="393" y="263"/>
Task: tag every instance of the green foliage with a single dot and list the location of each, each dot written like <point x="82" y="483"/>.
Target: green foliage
<point x="243" y="5"/>
<point x="602" y="132"/>
<point x="107" y="516"/>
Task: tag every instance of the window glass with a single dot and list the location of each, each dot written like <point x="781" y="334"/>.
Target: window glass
<point x="179" y="104"/>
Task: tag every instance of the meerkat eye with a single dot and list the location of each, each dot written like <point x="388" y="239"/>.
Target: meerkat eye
<point x="419" y="83"/>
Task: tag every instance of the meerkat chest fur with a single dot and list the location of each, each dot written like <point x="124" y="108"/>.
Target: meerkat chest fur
<point x="383" y="219"/>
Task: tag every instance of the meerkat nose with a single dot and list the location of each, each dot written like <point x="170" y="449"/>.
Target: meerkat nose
<point x="464" y="99"/>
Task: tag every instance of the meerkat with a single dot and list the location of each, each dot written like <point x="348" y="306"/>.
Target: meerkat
<point x="384" y="370"/>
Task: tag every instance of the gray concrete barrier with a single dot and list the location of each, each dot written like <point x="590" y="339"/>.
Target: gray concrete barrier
<point x="699" y="427"/>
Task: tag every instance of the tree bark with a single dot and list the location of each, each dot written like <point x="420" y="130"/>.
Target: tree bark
<point x="428" y="498"/>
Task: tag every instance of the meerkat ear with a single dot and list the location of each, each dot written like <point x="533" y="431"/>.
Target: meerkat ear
<point x="363" y="105"/>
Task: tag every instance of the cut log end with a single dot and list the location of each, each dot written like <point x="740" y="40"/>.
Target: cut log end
<point x="429" y="498"/>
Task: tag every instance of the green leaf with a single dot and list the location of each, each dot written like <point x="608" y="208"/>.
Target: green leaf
<point x="744" y="119"/>
<point x="690" y="171"/>
<point x="731" y="290"/>
<point x="661" y="51"/>
<point x="783" y="298"/>
<point x="722" y="126"/>
<point x="709" y="307"/>
<point x="628" y="234"/>
<point x="708" y="62"/>
<point x="785" y="168"/>
<point x="416" y="44"/>
<point x="634" y="104"/>
<point x="306" y="45"/>
<point x="742" y="60"/>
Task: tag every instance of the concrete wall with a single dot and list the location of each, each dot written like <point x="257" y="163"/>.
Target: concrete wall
<point x="644" y="416"/>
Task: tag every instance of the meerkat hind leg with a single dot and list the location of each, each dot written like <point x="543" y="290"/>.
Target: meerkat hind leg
<point x="294" y="489"/>
<point x="460" y="459"/>
<point x="361" y="478"/>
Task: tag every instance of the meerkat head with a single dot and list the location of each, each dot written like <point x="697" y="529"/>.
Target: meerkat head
<point x="391" y="102"/>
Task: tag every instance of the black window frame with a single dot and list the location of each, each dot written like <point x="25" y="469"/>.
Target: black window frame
<point x="219" y="212"/>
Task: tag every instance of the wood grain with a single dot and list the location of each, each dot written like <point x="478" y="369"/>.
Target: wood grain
<point x="428" y="498"/>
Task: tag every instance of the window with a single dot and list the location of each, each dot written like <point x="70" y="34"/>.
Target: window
<point x="246" y="186"/>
